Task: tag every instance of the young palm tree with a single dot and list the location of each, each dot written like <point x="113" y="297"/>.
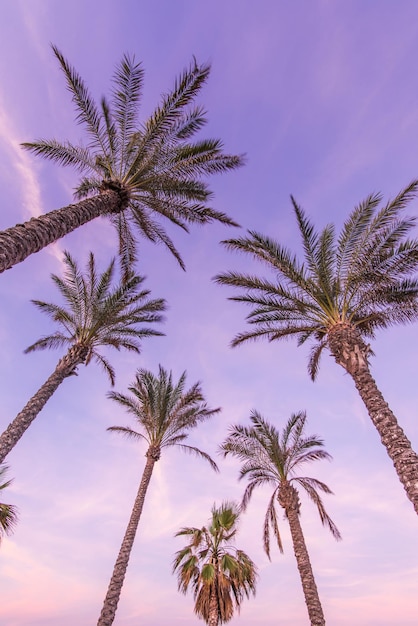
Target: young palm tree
<point x="220" y="574"/>
<point x="134" y="173"/>
<point x="164" y="411"/>
<point x="95" y="314"/>
<point x="8" y="512"/>
<point x="272" y="458"/>
<point x="346" y="289"/>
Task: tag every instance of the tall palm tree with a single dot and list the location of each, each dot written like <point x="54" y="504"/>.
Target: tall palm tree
<point x="95" y="314"/>
<point x="219" y="573"/>
<point x="165" y="412"/>
<point x="8" y="512"/>
<point x="132" y="172"/>
<point x="345" y="290"/>
<point x="272" y="458"/>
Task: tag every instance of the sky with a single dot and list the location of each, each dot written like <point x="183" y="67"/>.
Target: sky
<point x="322" y="97"/>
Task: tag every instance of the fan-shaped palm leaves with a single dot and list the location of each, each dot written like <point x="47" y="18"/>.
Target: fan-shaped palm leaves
<point x="165" y="412"/>
<point x="131" y="172"/>
<point x="346" y="289"/>
<point x="94" y="314"/>
<point x="8" y="512"/>
<point x="219" y="574"/>
<point x="272" y="458"/>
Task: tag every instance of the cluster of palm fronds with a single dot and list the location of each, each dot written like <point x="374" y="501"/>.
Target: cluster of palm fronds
<point x="346" y="288"/>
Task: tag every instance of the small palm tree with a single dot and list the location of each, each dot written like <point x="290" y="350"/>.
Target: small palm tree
<point x="164" y="411"/>
<point x="95" y="314"/>
<point x="345" y="290"/>
<point x="272" y="458"/>
<point x="133" y="173"/>
<point x="8" y="512"/>
<point x="220" y="574"/>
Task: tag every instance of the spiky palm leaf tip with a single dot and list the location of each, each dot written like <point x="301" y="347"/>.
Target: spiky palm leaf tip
<point x="8" y="512"/>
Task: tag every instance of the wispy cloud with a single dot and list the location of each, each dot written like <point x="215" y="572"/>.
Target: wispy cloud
<point x="25" y="173"/>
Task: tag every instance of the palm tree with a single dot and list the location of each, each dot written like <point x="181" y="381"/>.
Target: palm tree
<point x="132" y="173"/>
<point x="8" y="512"/>
<point x="95" y="314"/>
<point x="220" y="574"/>
<point x="272" y="458"/>
<point x="345" y="290"/>
<point x="164" y="411"/>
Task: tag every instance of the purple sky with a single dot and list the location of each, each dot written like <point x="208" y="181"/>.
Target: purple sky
<point x="322" y="97"/>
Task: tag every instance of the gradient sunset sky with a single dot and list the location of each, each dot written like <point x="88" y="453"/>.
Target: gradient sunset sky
<point x="322" y="97"/>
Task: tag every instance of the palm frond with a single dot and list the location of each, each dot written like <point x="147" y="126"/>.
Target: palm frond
<point x="200" y="453"/>
<point x="127" y="244"/>
<point x="155" y="233"/>
<point x="190" y="123"/>
<point x="113" y="140"/>
<point x="128" y="432"/>
<point x="270" y="520"/>
<point x="88" y="113"/>
<point x="106" y="366"/>
<point x="128" y="83"/>
<point x="8" y="512"/>
<point x="316" y="352"/>
<point x="352" y="233"/>
<point x="310" y="238"/>
<point x="311" y="487"/>
<point x="62" y="153"/>
<point x="52" y="341"/>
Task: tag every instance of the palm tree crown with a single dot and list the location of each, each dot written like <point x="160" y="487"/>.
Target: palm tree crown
<point x="365" y="278"/>
<point x="8" y="512"/>
<point x="272" y="458"/>
<point x="154" y="167"/>
<point x="220" y="574"/>
<point x="164" y="410"/>
<point x="99" y="313"/>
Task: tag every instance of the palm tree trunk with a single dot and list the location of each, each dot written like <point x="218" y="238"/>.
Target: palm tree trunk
<point x="116" y="582"/>
<point x="20" y="241"/>
<point x="289" y="499"/>
<point x="350" y="352"/>
<point x="213" y="618"/>
<point x="65" y="367"/>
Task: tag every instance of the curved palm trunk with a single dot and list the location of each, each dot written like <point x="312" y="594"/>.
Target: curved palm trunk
<point x="116" y="582"/>
<point x="65" y="367"/>
<point x="350" y="351"/>
<point x="289" y="500"/>
<point x="20" y="241"/>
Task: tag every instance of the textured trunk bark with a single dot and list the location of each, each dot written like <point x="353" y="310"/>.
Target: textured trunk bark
<point x="116" y="582"/>
<point x="20" y="241"/>
<point x="289" y="500"/>
<point x="350" y="351"/>
<point x="213" y="608"/>
<point x="65" y="367"/>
